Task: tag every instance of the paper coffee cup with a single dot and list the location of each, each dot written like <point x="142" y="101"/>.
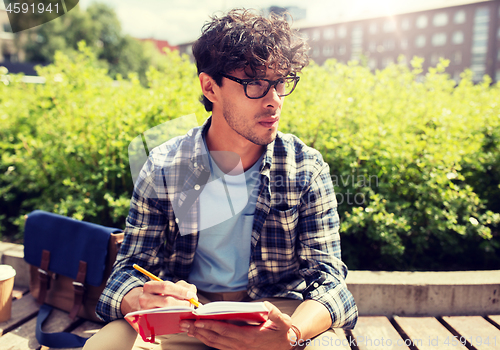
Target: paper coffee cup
<point x="7" y="274"/>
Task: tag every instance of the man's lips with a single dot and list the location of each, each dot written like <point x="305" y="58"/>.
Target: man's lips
<point x="269" y="122"/>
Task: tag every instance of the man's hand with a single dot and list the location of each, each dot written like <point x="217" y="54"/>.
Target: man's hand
<point x="274" y="334"/>
<point x="158" y="294"/>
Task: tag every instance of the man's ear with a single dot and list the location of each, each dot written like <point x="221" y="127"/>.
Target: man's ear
<point x="208" y="87"/>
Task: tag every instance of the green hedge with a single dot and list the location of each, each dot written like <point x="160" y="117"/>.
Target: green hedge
<point x="415" y="159"/>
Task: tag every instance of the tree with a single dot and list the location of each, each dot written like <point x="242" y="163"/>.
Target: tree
<point x="100" y="28"/>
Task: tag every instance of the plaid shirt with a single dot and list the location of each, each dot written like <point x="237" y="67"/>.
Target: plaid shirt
<point x="295" y="236"/>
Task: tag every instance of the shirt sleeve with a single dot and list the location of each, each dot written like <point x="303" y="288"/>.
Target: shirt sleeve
<point x="319" y="250"/>
<point x="143" y="237"/>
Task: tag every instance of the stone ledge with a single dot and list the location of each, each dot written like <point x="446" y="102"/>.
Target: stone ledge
<point x="425" y="293"/>
<point x="13" y="255"/>
<point x="380" y="293"/>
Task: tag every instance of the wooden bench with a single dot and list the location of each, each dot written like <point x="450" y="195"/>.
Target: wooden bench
<point x="370" y="333"/>
<point x="438" y="299"/>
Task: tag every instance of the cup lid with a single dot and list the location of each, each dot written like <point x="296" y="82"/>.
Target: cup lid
<point x="6" y="272"/>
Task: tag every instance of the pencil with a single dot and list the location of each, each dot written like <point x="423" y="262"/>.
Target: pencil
<point x="155" y="278"/>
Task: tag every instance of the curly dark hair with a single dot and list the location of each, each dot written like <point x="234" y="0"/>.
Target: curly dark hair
<point x="243" y="39"/>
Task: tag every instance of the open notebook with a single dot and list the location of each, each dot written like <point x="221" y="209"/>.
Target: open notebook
<point x="160" y="321"/>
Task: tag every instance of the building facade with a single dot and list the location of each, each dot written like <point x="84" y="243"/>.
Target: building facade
<point x="468" y="35"/>
<point x="8" y="51"/>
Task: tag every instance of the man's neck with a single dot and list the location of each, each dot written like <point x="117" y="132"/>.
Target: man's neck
<point x="220" y="137"/>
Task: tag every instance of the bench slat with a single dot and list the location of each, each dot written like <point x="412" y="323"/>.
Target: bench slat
<point x="377" y="332"/>
<point x="476" y="330"/>
<point x="427" y="333"/>
<point x="23" y="337"/>
<point x="18" y="292"/>
<point x="22" y="309"/>
<point x="86" y="329"/>
<point x="344" y="342"/>
<point x="495" y="319"/>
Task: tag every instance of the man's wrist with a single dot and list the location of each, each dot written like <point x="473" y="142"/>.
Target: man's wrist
<point x="295" y="340"/>
<point x="130" y="301"/>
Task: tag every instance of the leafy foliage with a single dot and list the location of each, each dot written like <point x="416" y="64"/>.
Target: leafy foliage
<point x="100" y="28"/>
<point x="415" y="161"/>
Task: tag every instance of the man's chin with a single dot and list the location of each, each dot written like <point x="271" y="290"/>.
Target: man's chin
<point x="264" y="141"/>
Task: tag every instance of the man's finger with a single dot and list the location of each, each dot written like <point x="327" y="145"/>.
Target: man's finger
<point x="219" y="334"/>
<point x="280" y="320"/>
<point x="190" y="287"/>
<point x="224" y="329"/>
<point x="168" y="288"/>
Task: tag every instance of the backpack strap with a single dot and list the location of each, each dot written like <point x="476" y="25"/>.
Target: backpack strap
<point x="55" y="340"/>
<point x="79" y="289"/>
<point x="43" y="275"/>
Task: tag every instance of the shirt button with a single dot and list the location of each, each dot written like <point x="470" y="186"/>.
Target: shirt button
<point x="196" y="187"/>
<point x="315" y="285"/>
<point x="177" y="220"/>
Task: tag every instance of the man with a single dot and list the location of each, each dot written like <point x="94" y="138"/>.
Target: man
<point x="281" y="245"/>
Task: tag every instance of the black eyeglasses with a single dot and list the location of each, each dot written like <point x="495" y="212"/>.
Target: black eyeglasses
<point x="258" y="88"/>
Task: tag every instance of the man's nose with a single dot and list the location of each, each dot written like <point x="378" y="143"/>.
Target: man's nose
<point x="272" y="97"/>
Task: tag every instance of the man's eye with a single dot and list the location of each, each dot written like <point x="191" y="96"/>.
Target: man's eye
<point x="256" y="83"/>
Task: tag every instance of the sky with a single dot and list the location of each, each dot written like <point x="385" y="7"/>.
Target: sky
<point x="180" y="21"/>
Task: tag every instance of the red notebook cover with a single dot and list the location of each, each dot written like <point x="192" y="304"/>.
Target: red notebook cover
<point x="154" y="322"/>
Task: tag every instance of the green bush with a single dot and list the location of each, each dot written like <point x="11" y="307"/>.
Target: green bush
<point x="64" y="143"/>
<point x="415" y="159"/>
<point x="416" y="163"/>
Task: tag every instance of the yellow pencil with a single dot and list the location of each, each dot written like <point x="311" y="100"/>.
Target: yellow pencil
<point x="155" y="278"/>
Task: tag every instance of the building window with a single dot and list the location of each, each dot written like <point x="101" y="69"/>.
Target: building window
<point x="389" y="44"/>
<point x="440" y="19"/>
<point x="479" y="69"/>
<point x="389" y="26"/>
<point x="456" y="76"/>
<point x="439" y="39"/>
<point x="315" y="51"/>
<point x="404" y="44"/>
<point x="405" y="24"/>
<point x="373" y="28"/>
<point x="458" y="37"/>
<point x="497" y="78"/>
<point x="316" y="35"/>
<point x="372" y="63"/>
<point x="435" y="58"/>
<point x="498" y="55"/>
<point x="356" y="42"/>
<point x="387" y="61"/>
<point x="342" y="31"/>
<point x="328" y="50"/>
<point x="457" y="57"/>
<point x="422" y="21"/>
<point x="420" y="41"/>
<point x="372" y="46"/>
<point x="498" y="33"/>
<point x="459" y="17"/>
<point x="341" y="49"/>
<point x="329" y="34"/>
<point x="480" y="41"/>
